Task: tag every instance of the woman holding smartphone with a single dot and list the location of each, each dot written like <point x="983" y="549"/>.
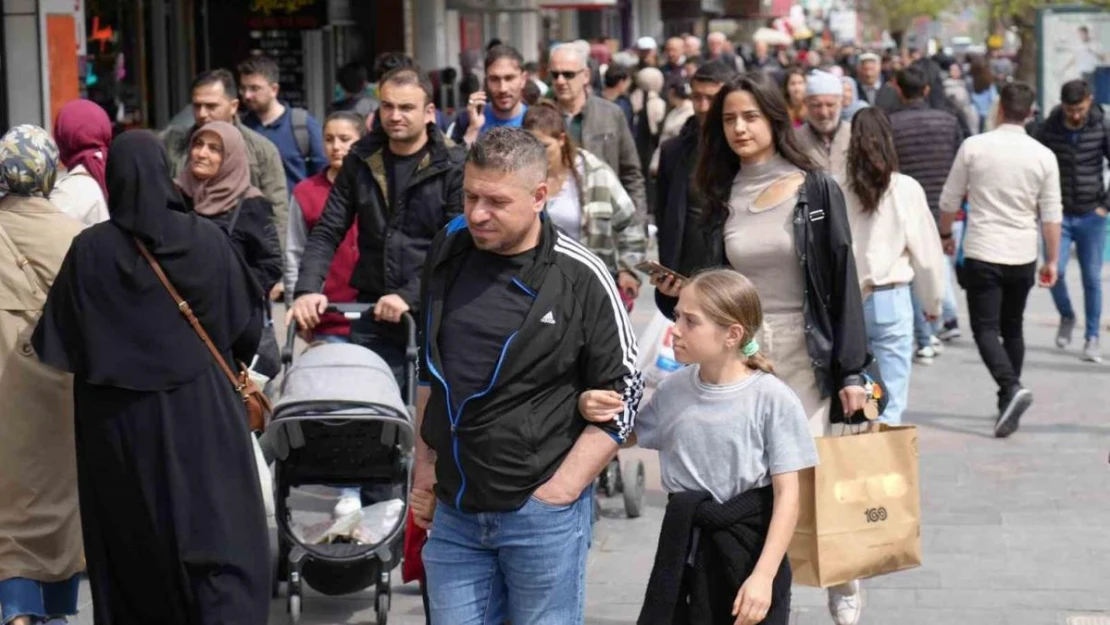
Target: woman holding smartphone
<point x="777" y="219"/>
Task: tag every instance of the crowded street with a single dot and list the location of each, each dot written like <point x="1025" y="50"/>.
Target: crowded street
<point x="1013" y="534"/>
<point x="539" y="312"/>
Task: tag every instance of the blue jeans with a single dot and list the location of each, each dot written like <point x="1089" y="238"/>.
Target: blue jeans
<point x="889" y="316"/>
<point x="1088" y="232"/>
<point x="526" y="566"/>
<point x="923" y="330"/>
<point x="26" y="597"/>
<point x="951" y="306"/>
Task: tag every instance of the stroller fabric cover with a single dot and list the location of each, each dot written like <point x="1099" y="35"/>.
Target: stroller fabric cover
<point x="340" y="374"/>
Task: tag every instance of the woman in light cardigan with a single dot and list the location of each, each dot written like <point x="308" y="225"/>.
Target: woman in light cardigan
<point x="895" y="241"/>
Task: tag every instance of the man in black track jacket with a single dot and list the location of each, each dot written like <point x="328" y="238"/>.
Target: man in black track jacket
<point x="518" y="319"/>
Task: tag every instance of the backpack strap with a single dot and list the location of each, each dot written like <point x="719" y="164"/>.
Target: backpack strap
<point x="300" y="131"/>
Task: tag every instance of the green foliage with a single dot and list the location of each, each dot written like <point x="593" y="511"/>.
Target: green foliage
<point x="897" y="15"/>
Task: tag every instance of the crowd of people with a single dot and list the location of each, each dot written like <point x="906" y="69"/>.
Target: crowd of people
<point x="814" y="213"/>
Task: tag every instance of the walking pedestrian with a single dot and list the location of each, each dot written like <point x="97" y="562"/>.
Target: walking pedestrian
<point x="82" y="132"/>
<point x="769" y="205"/>
<point x="650" y="111"/>
<point x="521" y="319"/>
<point x="895" y="240"/>
<point x="617" y="83"/>
<point x="586" y="200"/>
<point x="500" y="103"/>
<point x="294" y="131"/>
<point x="794" y="88"/>
<point x="40" y="533"/>
<point x="402" y="184"/>
<point x="171" y="511"/>
<point x="681" y="110"/>
<point x="825" y="136"/>
<point x="358" y="94"/>
<point x="926" y="139"/>
<point x="596" y="125"/>
<point x="852" y="103"/>
<point x="1011" y="182"/>
<point x="1078" y="133"/>
<point x="216" y="98"/>
<point x="216" y="185"/>
<point x="984" y="93"/>
<point x="731" y="439"/>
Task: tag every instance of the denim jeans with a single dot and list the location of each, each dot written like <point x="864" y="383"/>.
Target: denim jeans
<point x="923" y="330"/>
<point x="525" y="566"/>
<point x="889" y="319"/>
<point x="1088" y="232"/>
<point x="26" y="597"/>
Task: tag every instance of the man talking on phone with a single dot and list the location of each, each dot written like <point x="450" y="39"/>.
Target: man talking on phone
<point x="1011" y="181"/>
<point x="501" y="104"/>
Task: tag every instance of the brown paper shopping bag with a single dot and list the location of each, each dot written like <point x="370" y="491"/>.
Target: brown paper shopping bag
<point x="860" y="508"/>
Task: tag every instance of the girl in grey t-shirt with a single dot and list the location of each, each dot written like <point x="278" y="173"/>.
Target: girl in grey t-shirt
<point x="724" y="424"/>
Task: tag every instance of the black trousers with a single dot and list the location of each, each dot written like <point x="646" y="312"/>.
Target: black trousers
<point x="996" y="296"/>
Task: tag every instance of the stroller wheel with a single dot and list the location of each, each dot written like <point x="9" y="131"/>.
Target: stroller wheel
<point x="294" y="608"/>
<point x="609" y="478"/>
<point x="382" y="605"/>
<point x="634" y="490"/>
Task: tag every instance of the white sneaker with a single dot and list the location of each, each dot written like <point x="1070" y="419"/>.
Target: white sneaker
<point x="845" y="603"/>
<point x="936" y="344"/>
<point x="349" y="501"/>
<point x="925" y="355"/>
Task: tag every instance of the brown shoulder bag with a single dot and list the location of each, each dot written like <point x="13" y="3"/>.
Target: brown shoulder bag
<point x="258" y="405"/>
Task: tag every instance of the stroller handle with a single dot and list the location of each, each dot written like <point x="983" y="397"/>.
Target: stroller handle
<point x="354" y="311"/>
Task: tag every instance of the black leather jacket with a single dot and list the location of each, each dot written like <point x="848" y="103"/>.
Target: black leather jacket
<point x="835" y="333"/>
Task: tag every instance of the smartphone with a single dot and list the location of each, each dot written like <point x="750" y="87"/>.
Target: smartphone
<point x="480" y="109"/>
<point x="652" y="268"/>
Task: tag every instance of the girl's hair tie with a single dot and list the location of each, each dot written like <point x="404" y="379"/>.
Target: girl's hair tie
<point x="751" y="348"/>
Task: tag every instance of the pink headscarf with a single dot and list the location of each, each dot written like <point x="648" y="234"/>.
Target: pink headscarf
<point x="232" y="183"/>
<point x="83" y="132"/>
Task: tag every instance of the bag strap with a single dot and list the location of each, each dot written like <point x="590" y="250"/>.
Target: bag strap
<point x="300" y="131"/>
<point x="187" y="312"/>
<point x="235" y="217"/>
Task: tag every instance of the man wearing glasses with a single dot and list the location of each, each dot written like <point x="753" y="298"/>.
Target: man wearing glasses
<point x="594" y="123"/>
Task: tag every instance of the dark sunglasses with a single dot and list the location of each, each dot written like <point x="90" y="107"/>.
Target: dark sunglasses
<point x="566" y="75"/>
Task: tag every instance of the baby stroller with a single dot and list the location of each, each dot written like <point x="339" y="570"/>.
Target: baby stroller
<point x="340" y="421"/>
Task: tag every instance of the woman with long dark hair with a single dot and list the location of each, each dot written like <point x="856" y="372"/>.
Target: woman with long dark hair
<point x="984" y="93"/>
<point x="794" y="91"/>
<point x="895" y="240"/>
<point x="774" y="217"/>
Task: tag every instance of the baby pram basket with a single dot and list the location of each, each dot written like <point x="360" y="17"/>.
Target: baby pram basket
<point x="341" y="421"/>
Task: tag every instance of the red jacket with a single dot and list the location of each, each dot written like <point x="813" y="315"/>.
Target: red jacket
<point x="311" y="195"/>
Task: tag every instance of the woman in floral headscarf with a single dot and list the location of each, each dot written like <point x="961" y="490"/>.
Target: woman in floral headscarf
<point x="40" y="531"/>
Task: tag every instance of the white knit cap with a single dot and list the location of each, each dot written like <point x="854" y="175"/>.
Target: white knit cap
<point x="823" y="83"/>
<point x="646" y="43"/>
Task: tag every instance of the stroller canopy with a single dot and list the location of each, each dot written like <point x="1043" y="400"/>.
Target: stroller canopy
<point x="340" y="373"/>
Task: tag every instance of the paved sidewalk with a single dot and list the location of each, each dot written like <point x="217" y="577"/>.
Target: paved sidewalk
<point x="1016" y="532"/>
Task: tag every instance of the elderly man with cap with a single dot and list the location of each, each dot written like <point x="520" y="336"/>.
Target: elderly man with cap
<point x="824" y="136"/>
<point x="872" y="89"/>
<point x="648" y="50"/>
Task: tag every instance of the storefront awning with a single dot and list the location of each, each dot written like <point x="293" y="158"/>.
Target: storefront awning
<point x="577" y="4"/>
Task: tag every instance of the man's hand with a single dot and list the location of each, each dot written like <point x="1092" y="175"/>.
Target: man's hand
<point x="390" y="308"/>
<point x="423" y="504"/>
<point x="306" y="310"/>
<point x="949" y="246"/>
<point x="1049" y="275"/>
<point x="477" y="118"/>
<point x="853" y="399"/>
<point x="1101" y="211"/>
<point x="600" y="406"/>
<point x="277" y="292"/>
<point x="753" y="601"/>
<point x="629" y="283"/>
<point x="556" y="494"/>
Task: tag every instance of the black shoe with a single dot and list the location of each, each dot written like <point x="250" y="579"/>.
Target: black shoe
<point x="1011" y="405"/>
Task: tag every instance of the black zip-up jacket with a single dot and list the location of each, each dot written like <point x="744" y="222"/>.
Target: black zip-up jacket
<point x="677" y="157"/>
<point x="1081" y="161"/>
<point x="927" y="140"/>
<point x="392" y="240"/>
<point x="505" y="442"/>
<point x="836" y="337"/>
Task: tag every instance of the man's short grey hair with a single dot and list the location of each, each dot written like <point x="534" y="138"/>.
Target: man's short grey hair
<point x="574" y="50"/>
<point x="510" y="150"/>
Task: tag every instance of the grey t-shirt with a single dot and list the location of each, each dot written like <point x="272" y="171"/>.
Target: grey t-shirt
<point x="728" y="439"/>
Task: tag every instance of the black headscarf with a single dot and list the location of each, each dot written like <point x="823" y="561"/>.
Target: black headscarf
<point x="110" y="321"/>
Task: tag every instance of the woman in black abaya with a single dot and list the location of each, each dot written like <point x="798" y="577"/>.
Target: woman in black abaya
<point x="173" y="520"/>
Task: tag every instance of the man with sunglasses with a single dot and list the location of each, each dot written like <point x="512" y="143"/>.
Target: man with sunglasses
<point x="595" y="124"/>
